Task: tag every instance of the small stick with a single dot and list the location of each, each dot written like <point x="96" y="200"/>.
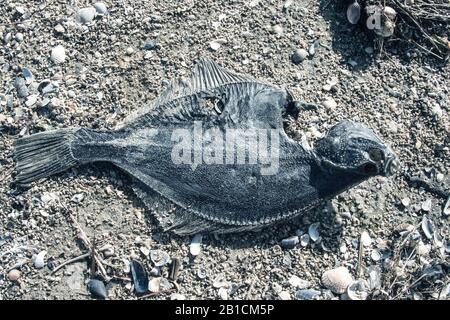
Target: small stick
<point x="81" y="257"/>
<point x="154" y="294"/>
<point x="360" y="254"/>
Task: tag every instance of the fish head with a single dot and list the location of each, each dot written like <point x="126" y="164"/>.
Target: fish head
<point x="353" y="147"/>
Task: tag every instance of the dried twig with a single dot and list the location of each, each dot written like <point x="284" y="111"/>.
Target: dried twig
<point x="81" y="257"/>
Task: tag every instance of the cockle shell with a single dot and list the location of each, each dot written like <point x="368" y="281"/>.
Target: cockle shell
<point x="337" y="280"/>
<point x="354" y="12"/>
<point x="58" y="54"/>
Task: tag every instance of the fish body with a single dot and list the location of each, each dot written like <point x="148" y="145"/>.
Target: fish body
<point x="210" y="155"/>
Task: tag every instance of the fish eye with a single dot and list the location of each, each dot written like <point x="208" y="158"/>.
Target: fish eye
<point x="369" y="169"/>
<point x="376" y="154"/>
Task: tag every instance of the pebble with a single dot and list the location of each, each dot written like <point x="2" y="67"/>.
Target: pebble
<point x="329" y="103"/>
<point x="14" y="275"/>
<point x="446" y="209"/>
<point x="307" y="294"/>
<point x="101" y="8"/>
<point x="426" y="205"/>
<point x="19" y="37"/>
<point x="439" y="177"/>
<point x="58" y="54"/>
<point x="223" y="293"/>
<point x="299" y="55"/>
<point x="130" y="51"/>
<point x="369" y="50"/>
<point x="284" y="295"/>
<point x="21" y="88"/>
<point x="86" y="15"/>
<point x="77" y="198"/>
<point x="298" y="283"/>
<point x="97" y="289"/>
<point x="278" y="30"/>
<point x="195" y="246"/>
<point x="177" y="296"/>
<point x="59" y="28"/>
<point x="375" y="255"/>
<point x="39" y="261"/>
<point x="150" y="45"/>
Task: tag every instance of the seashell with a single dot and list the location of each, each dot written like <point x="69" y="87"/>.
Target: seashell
<point x="299" y="55"/>
<point x="374" y="273"/>
<point x="375" y="255"/>
<point x="159" y="257"/>
<point x="358" y="290"/>
<point x="101" y="8"/>
<point x="27" y="75"/>
<point x="155" y="272"/>
<point x="48" y="197"/>
<point x="329" y="103"/>
<point x="219" y="282"/>
<point x="154" y="284"/>
<point x="77" y="198"/>
<point x="195" y="246"/>
<point x="304" y="240"/>
<point x="21" y="87"/>
<point x="354" y="13"/>
<point x="39" y="261"/>
<point x="140" y="277"/>
<point x="201" y="273"/>
<point x="446" y="209"/>
<point x="177" y="296"/>
<point x="86" y="15"/>
<point x="426" y="205"/>
<point x="58" y="54"/>
<point x="307" y="294"/>
<point x="284" y="295"/>
<point x="14" y="275"/>
<point x="337" y="280"/>
<point x="145" y="251"/>
<point x="427" y="227"/>
<point x="214" y="45"/>
<point x="298" y="283"/>
<point x="165" y="284"/>
<point x="97" y="289"/>
<point x="365" y="239"/>
<point x="174" y="269"/>
<point x="313" y="231"/>
<point x="233" y="288"/>
<point x="445" y="292"/>
<point x="223" y="293"/>
<point x="126" y="268"/>
<point x="290" y="242"/>
<point x="390" y="12"/>
<point x="406" y="202"/>
<point x="31" y="100"/>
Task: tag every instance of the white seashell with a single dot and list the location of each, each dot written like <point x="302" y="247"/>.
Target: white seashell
<point x="375" y="255"/>
<point x="223" y="293"/>
<point x="366" y="240"/>
<point x="354" y="12"/>
<point x="195" y="246"/>
<point x="427" y="227"/>
<point x="374" y="273"/>
<point x="337" y="280"/>
<point x="313" y="231"/>
<point x="446" y="209"/>
<point x="284" y="295"/>
<point x="219" y="282"/>
<point x="86" y="15"/>
<point x="145" y="251"/>
<point x="159" y="257"/>
<point x="358" y="290"/>
<point x="390" y="12"/>
<point x="39" y="261"/>
<point x="214" y="45"/>
<point x="154" y="284"/>
<point x="304" y="240"/>
<point x="298" y="283"/>
<point x="406" y="202"/>
<point x="426" y="205"/>
<point x="329" y="103"/>
<point x="100" y="7"/>
<point x="58" y="54"/>
<point x="48" y="197"/>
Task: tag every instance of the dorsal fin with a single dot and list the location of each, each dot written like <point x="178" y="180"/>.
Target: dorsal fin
<point x="207" y="75"/>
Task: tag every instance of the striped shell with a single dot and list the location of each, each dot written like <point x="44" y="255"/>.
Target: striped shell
<point x="337" y="280"/>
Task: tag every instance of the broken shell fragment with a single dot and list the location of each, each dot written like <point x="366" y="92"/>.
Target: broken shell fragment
<point x="304" y="240"/>
<point x="159" y="257"/>
<point x="307" y="294"/>
<point x="358" y="290"/>
<point x="195" y="246"/>
<point x="337" y="280"/>
<point x="374" y="273"/>
<point x="140" y="277"/>
<point x="39" y="261"/>
<point x="354" y="12"/>
<point x="426" y="205"/>
<point x="313" y="231"/>
<point x="446" y="209"/>
<point x="427" y="227"/>
<point x="290" y="242"/>
<point x="58" y="54"/>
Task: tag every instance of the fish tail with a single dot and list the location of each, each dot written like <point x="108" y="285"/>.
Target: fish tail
<point x="44" y="154"/>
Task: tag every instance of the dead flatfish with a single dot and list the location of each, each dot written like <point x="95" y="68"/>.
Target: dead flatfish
<point x="210" y="154"/>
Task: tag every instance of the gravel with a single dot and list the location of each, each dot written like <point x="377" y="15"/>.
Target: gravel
<point x="100" y="81"/>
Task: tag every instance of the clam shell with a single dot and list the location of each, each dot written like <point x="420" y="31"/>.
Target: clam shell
<point x="58" y="54"/>
<point x="427" y="227"/>
<point x="354" y="12"/>
<point x="304" y="240"/>
<point x="159" y="257"/>
<point x="307" y="294"/>
<point x="101" y="8"/>
<point x="390" y="12"/>
<point x="337" y="280"/>
<point x="140" y="277"/>
<point x="290" y="242"/>
<point x="358" y="290"/>
<point x="426" y="205"/>
<point x="154" y="284"/>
